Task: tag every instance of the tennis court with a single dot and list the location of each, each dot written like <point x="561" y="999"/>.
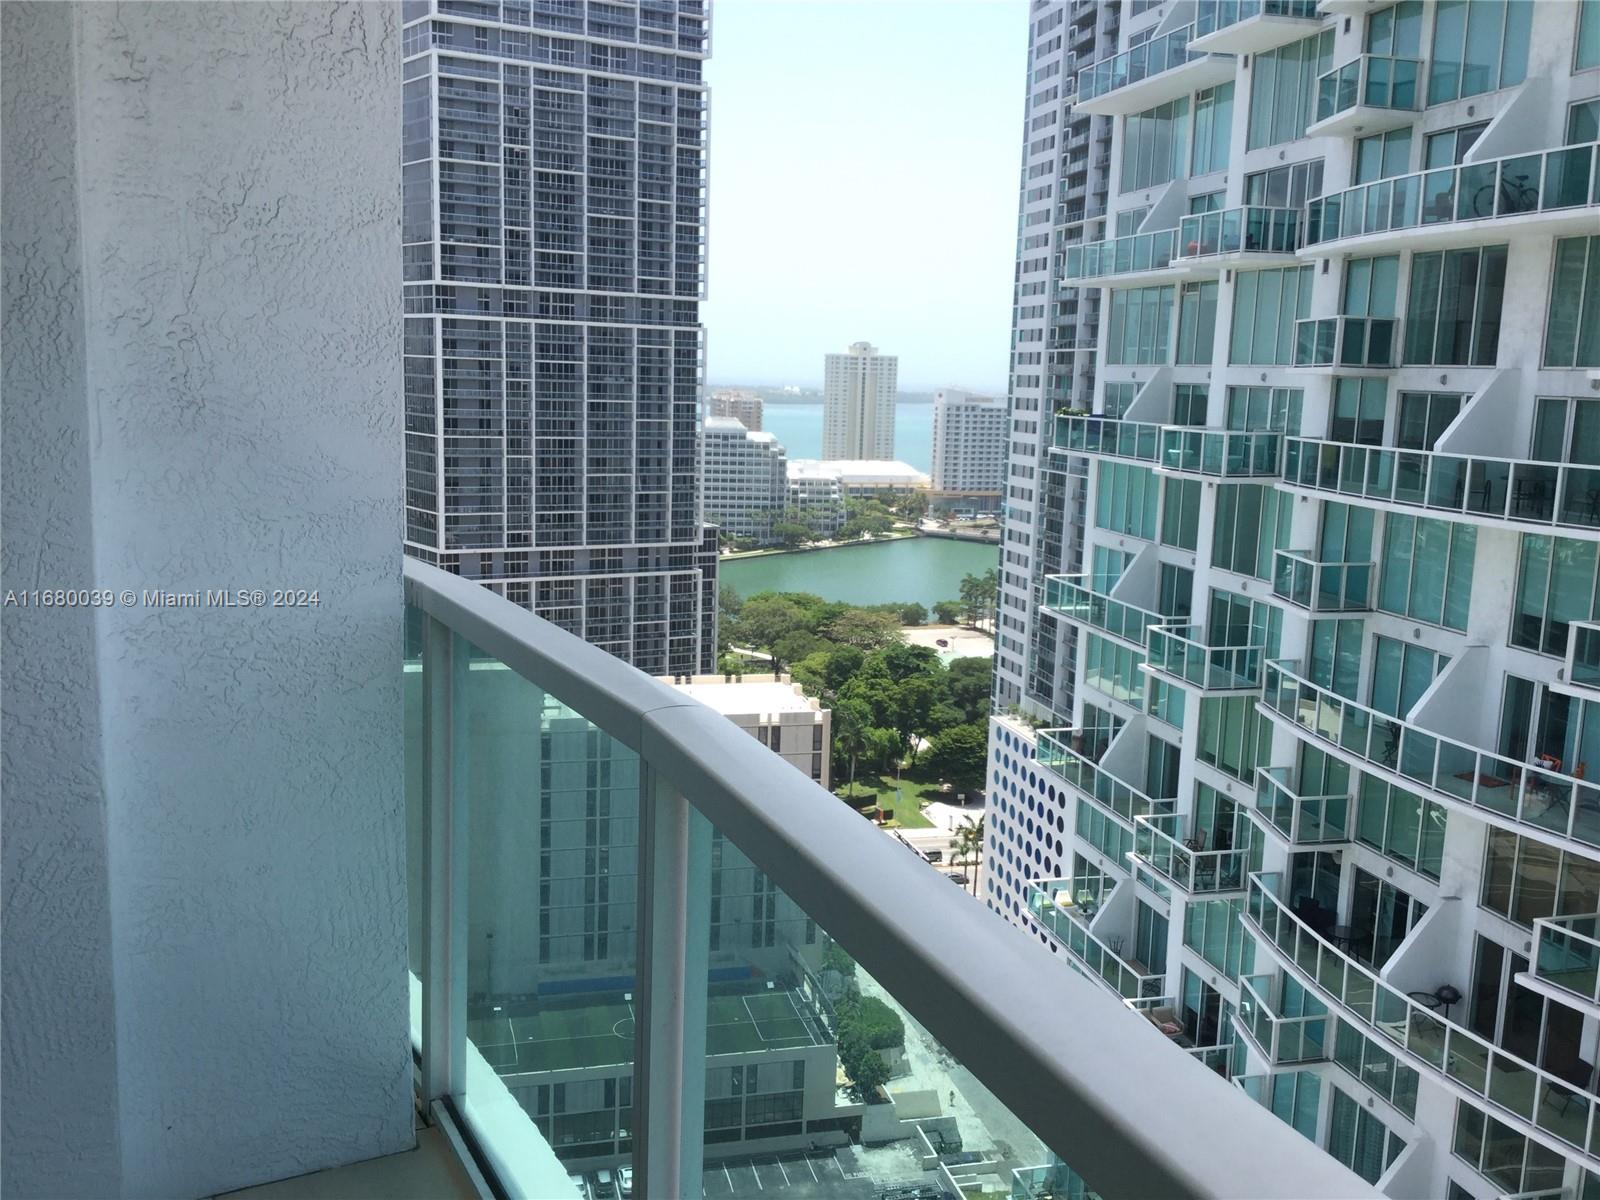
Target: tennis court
<point x="593" y="1031"/>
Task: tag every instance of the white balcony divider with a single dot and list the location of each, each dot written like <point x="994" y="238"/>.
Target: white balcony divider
<point x="1081" y="1068"/>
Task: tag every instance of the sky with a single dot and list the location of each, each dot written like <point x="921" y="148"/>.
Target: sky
<point x="863" y="186"/>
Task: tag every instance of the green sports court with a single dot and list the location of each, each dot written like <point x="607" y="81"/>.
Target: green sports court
<point x="565" y="1033"/>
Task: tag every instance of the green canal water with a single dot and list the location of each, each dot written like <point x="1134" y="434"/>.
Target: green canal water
<point x="911" y="570"/>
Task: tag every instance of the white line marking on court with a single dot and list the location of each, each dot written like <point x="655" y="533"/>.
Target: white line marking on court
<point x="834" y="1159"/>
<point x="785" y="1171"/>
<point x="728" y="1177"/>
<point x="812" y="1169"/>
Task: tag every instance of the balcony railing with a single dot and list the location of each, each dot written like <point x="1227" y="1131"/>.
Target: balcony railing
<point x="1517" y="184"/>
<point x="486" y="679"/>
<point x="1303" y="820"/>
<point x="1224" y="453"/>
<point x="1567" y="955"/>
<point x="1152" y="58"/>
<point x="1212" y="15"/>
<point x="1583" y="655"/>
<point x="1323" y="587"/>
<point x="1457" y="772"/>
<point x="1505" y="1083"/>
<point x="1079" y="433"/>
<point x="1252" y="229"/>
<point x="1159" y="843"/>
<point x="1126" y="255"/>
<point x="1370" y="81"/>
<point x="1074" y="599"/>
<point x="1179" y="651"/>
<point x="1054" y="905"/>
<point x="1074" y="755"/>
<point x="1283" y="1039"/>
<point x="1359" y="343"/>
<point x="1565" y="495"/>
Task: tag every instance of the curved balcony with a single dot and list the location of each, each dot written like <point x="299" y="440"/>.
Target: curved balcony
<point x="1369" y="94"/>
<point x="1539" y="1102"/>
<point x="1160" y="843"/>
<point x="1246" y="236"/>
<point x="1517" y="492"/>
<point x="1345" y="344"/>
<point x="1074" y="754"/>
<point x="1162" y="69"/>
<point x="1074" y="600"/>
<point x="1107" y="437"/>
<point x="1218" y="453"/>
<point x="1178" y="653"/>
<point x="1301" y="820"/>
<point x="1283" y="1039"/>
<point x="1136" y="257"/>
<point x="1066" y="913"/>
<point x="1251" y="26"/>
<point x="1323" y="587"/>
<point x="1554" y="191"/>
<point x="1512" y="794"/>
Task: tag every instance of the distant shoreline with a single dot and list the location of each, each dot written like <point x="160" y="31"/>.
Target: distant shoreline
<point x="775" y="551"/>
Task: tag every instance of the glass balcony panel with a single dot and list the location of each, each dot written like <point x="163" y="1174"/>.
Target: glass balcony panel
<point x="1519" y="185"/>
<point x="1566" y="177"/>
<point x="1426" y="1037"/>
<point x="1511" y="1085"/>
<point x="1580" y="497"/>
<point x="1475" y="191"/>
<point x="1467" y="1061"/>
<point x="1447" y="482"/>
<point x="1438" y="197"/>
<point x="1489" y="487"/>
<point x="1418" y="756"/>
<point x="1410" y="477"/>
<point x="1533" y="491"/>
<point x="1360" y="994"/>
<point x="1563" y="1110"/>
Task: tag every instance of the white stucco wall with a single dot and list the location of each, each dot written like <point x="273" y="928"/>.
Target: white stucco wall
<point x="203" y="329"/>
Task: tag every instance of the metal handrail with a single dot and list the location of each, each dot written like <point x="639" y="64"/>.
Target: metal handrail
<point x="1126" y="255"/>
<point x="1182" y="652"/>
<point x="1198" y="872"/>
<point x="1227" y="453"/>
<point x="1372" y="81"/>
<point x="1074" y="598"/>
<point x="1299" y="578"/>
<point x="1304" y="820"/>
<point x="1568" y="957"/>
<point x="1247" y="229"/>
<point x="1282" y="1039"/>
<point x="1212" y="15"/>
<point x="1135" y="64"/>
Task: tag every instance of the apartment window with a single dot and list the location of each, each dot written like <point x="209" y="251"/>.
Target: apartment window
<point x="1266" y="305"/>
<point x="1252" y="521"/>
<point x="1126" y="499"/>
<point x="1116" y="398"/>
<point x="1524" y="879"/>
<point x="1165" y="702"/>
<point x="1587" y="52"/>
<point x="1423" y="418"/>
<point x="1282" y="187"/>
<point x="1397" y="31"/>
<point x="1478" y="47"/>
<point x="1197" y="321"/>
<point x="1583" y="119"/>
<point x="1113" y="669"/>
<point x="1180" y="513"/>
<point x="1154" y="146"/>
<point x="1213" y="120"/>
<point x="1427" y="569"/>
<point x="1401" y="826"/>
<point x="1213" y="931"/>
<point x="1176" y="591"/>
<point x="1207" y="202"/>
<point x="1370" y="285"/>
<point x="1108" y="567"/>
<point x="1283" y="89"/>
<point x="1449" y="147"/>
<point x="1230" y="734"/>
<point x="1274" y="409"/>
<point x="1572" y="329"/>
<point x="1140" y="328"/>
<point x="1383" y="155"/>
<point x="1150" y="939"/>
<point x="1385" y="914"/>
<point x="1334" y="658"/>
<point x="1359" y="1140"/>
<point x="1189" y="403"/>
<point x="1556" y="585"/>
<point x="1453" y="308"/>
<point x="1511" y="1162"/>
<point x="1359" y="405"/>
<point x="1129" y="220"/>
<point x="1376" y="1067"/>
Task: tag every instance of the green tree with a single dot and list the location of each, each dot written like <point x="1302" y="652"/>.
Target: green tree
<point x="765" y="620"/>
<point x="959" y="753"/>
<point x="903" y="660"/>
<point x="851" y="720"/>
<point x="947" y="612"/>
<point x="915" y="699"/>
<point x="790" y="534"/>
<point x="978" y="594"/>
<point x="913" y="614"/>
<point x="968" y="848"/>
<point x="968" y="682"/>
<point x="864" y="630"/>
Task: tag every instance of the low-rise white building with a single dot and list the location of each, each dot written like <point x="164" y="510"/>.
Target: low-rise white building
<point x="745" y="479"/>
<point x="969" y="444"/>
<point x="774" y="710"/>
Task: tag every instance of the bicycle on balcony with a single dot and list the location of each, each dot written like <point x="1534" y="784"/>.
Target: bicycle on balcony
<point x="1514" y="195"/>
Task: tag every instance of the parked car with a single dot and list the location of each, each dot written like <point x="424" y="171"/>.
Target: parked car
<point x="625" y="1181"/>
<point x="603" y="1184"/>
<point x="935" y="856"/>
<point x="959" y="877"/>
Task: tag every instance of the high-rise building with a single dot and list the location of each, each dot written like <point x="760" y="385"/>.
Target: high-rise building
<point x="858" y="393"/>
<point x="969" y="444"/>
<point x="746" y="479"/>
<point x="744" y="407"/>
<point x="1324" y="802"/>
<point x="554" y="263"/>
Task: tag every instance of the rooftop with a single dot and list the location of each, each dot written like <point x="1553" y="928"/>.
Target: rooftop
<point x="748" y="697"/>
<point x="858" y="471"/>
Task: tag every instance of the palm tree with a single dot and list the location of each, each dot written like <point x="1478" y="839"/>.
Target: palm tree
<point x="969" y="848"/>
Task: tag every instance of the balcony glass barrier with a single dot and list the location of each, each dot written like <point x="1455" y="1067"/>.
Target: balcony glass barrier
<point x="1369" y="343"/>
<point x="1212" y="15"/>
<point x="1228" y="454"/>
<point x="1568" y="177"/>
<point x="1159" y="843"/>
<point x="1054" y="1182"/>
<point x="1323" y="587"/>
<point x="1078" y="433"/>
<point x="1542" y="493"/>
<point x="1074" y="755"/>
<point x="1292" y="1096"/>
<point x="1177" y="650"/>
<point x="1152" y="58"/>
<point x="1568" y="955"/>
<point x="1121" y="256"/>
<point x="631" y="952"/>
<point x="1502" y="1081"/>
<point x="1583" y="655"/>
<point x="1071" y="597"/>
<point x="1252" y="229"/>
<point x="1304" y="820"/>
<point x="1371" y="81"/>
<point x="1455" y="771"/>
<point x="1282" y="1038"/>
<point x="1053" y="905"/>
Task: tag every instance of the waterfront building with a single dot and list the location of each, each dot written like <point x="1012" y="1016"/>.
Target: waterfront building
<point x="969" y="445"/>
<point x="1324" y="802"/>
<point x="817" y="495"/>
<point x="744" y="407"/>
<point x="554" y="266"/>
<point x="746" y="479"/>
<point x="775" y="711"/>
<point x="858" y="393"/>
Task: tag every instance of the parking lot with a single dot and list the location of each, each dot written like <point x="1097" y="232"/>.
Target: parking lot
<point x="819" y="1175"/>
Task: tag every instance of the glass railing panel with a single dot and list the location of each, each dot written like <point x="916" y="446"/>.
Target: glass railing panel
<point x="1583" y="663"/>
<point x="1512" y="1084"/>
<point x="1568" y="954"/>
